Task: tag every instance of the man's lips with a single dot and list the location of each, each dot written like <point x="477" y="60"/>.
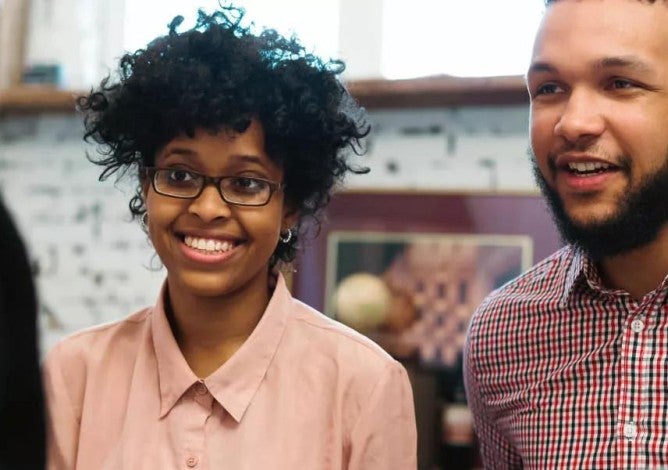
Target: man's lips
<point x="583" y="165"/>
<point x="587" y="168"/>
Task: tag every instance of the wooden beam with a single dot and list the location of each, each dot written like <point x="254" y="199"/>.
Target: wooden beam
<point x="440" y="91"/>
<point x="37" y="98"/>
<point x="427" y="92"/>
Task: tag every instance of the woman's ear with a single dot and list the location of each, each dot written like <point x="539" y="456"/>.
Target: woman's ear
<point x="290" y="216"/>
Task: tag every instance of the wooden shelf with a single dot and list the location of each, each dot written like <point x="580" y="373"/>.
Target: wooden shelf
<point x="37" y="98"/>
<point x="440" y="91"/>
<point x="427" y="92"/>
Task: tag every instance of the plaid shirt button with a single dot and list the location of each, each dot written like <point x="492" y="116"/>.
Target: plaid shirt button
<point x="630" y="431"/>
<point x="637" y="326"/>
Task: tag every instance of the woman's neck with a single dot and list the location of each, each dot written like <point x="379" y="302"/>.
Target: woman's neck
<point x="209" y="330"/>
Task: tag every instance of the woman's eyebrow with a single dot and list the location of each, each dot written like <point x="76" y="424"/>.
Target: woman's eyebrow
<point x="176" y="152"/>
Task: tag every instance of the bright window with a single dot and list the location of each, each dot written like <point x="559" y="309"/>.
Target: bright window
<point x="315" y="23"/>
<point x="419" y="38"/>
<point x="461" y="38"/>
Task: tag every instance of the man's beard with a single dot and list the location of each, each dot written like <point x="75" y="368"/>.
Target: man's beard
<point x="641" y="214"/>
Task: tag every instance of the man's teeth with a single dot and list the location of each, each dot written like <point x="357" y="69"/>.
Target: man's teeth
<point x="207" y="244"/>
<point x="588" y="167"/>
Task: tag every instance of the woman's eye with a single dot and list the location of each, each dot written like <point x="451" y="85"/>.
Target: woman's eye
<point x="180" y="176"/>
<point x="248" y="184"/>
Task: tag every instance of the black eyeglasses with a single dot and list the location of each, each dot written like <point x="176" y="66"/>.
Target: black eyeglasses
<point x="187" y="184"/>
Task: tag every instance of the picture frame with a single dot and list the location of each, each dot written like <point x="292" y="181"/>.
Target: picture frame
<point x="414" y="293"/>
<point x="416" y="212"/>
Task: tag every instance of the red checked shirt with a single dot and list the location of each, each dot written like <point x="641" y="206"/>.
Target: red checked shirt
<point x="562" y="373"/>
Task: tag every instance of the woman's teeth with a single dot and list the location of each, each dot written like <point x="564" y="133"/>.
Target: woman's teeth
<point x="207" y="244"/>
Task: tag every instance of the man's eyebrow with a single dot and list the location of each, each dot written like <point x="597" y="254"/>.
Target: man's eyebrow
<point x="630" y="62"/>
<point x="537" y="67"/>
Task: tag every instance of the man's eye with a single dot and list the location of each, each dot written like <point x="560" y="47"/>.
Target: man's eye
<point x="548" y="89"/>
<point x="620" y="84"/>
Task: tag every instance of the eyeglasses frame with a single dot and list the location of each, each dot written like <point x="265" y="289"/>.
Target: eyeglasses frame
<point x="150" y="172"/>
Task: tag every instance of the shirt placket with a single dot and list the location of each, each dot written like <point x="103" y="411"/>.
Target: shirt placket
<point x="193" y="457"/>
<point x="635" y="364"/>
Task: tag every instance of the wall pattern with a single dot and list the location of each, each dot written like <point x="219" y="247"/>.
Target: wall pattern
<point x="95" y="265"/>
<point x="456" y="149"/>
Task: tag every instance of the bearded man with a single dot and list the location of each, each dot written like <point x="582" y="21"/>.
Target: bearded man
<point x="567" y="365"/>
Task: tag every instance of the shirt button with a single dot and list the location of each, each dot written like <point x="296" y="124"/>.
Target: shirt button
<point x="192" y="462"/>
<point x="630" y="431"/>
<point x="637" y="326"/>
<point x="200" y="388"/>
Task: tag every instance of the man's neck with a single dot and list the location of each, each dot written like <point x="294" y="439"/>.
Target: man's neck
<point x="640" y="271"/>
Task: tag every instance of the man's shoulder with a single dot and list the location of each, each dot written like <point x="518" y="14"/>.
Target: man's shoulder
<point x="544" y="274"/>
<point x="542" y="283"/>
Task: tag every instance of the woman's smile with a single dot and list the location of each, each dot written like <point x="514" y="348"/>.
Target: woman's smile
<point x="207" y="250"/>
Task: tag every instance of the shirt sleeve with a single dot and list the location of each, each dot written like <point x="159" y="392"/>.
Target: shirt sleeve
<point x="496" y="451"/>
<point x="61" y="418"/>
<point x="385" y="435"/>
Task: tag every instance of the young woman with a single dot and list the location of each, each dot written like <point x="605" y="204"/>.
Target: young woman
<point x="235" y="138"/>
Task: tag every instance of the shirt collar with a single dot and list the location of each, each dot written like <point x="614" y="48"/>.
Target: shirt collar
<point x="174" y="373"/>
<point x="584" y="273"/>
<point x="235" y="383"/>
<point x="575" y="272"/>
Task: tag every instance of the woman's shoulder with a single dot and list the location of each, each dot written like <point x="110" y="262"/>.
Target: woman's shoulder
<point x="95" y="342"/>
<point x="326" y="337"/>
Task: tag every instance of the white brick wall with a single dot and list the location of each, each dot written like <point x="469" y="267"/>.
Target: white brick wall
<point x="459" y="149"/>
<point x="94" y="264"/>
<point x="92" y="261"/>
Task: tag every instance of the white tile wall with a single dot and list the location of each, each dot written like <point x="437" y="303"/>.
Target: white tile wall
<point x="95" y="265"/>
<point x="463" y="149"/>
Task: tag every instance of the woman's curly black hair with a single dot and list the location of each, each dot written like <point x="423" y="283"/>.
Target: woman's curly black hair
<point x="220" y="75"/>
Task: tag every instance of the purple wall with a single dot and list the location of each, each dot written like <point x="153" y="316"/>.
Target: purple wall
<point x="406" y="212"/>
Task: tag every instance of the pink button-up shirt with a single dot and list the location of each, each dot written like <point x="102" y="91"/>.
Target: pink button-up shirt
<point x="303" y="392"/>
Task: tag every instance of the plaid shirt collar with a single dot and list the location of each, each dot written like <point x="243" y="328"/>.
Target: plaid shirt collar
<point x="583" y="273"/>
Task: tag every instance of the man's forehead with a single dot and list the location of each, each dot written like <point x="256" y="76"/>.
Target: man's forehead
<point x="549" y="2"/>
<point x="622" y="23"/>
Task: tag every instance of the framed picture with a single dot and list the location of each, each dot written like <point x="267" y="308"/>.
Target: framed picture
<point x="414" y="293"/>
<point x="492" y="237"/>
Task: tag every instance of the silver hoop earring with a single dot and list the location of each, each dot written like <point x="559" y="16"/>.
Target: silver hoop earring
<point x="285" y="238"/>
<point x="143" y="221"/>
